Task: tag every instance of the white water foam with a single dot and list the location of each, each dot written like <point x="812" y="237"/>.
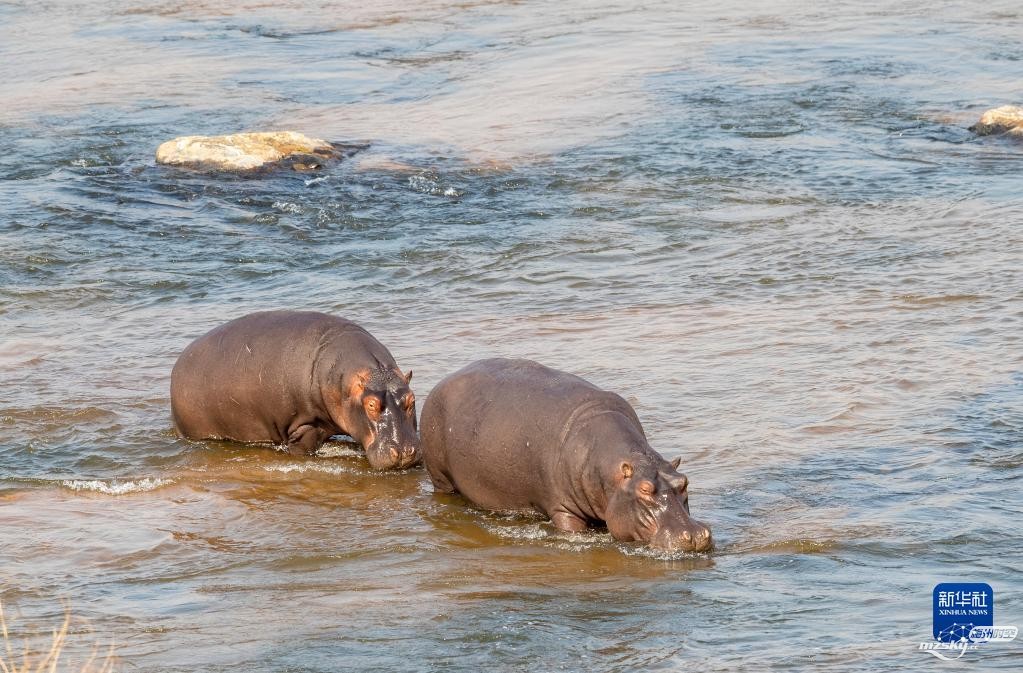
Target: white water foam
<point x="528" y="532"/>
<point x="310" y="467"/>
<point x="578" y="541"/>
<point x="427" y="185"/>
<point x="339" y="450"/>
<point x="288" y="207"/>
<point x="116" y="487"/>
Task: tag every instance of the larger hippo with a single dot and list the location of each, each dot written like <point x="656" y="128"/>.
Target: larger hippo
<point x="296" y="378"/>
<point x="515" y="435"/>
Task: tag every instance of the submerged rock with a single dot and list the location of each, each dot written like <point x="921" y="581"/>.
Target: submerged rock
<point x="246" y="151"/>
<point x="1007" y="119"/>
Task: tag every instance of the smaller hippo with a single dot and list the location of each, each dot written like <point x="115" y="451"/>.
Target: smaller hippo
<point x="515" y="435"/>
<point x="296" y="378"/>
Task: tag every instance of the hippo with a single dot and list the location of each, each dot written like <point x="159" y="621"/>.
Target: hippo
<point x="516" y="435"/>
<point x="295" y="378"/>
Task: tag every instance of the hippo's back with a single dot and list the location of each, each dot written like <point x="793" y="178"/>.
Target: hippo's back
<point x="489" y="394"/>
<point x="492" y="430"/>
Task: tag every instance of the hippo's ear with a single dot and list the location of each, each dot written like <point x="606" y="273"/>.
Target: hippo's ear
<point x="675" y="463"/>
<point x="679" y="483"/>
<point x="626" y="469"/>
<point x="408" y="377"/>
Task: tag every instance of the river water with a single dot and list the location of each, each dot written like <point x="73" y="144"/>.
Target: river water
<point x="764" y="224"/>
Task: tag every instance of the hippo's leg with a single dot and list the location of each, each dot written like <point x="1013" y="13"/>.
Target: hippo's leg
<point x="568" y="522"/>
<point x="304" y="440"/>
<point x="441" y="483"/>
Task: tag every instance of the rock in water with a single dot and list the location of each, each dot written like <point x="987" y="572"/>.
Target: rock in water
<point x="1006" y="119"/>
<point x="246" y="151"/>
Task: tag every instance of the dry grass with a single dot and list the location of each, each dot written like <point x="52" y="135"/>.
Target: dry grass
<point x="29" y="660"/>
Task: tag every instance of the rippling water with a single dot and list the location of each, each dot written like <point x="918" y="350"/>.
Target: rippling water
<point x="766" y="225"/>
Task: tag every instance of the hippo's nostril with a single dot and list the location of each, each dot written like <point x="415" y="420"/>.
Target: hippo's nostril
<point x="394" y="454"/>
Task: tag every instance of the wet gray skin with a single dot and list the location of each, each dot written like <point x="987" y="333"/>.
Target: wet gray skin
<point x="512" y="434"/>
<point x="296" y="378"/>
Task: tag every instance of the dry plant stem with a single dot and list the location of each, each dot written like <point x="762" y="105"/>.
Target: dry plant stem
<point x="49" y="662"/>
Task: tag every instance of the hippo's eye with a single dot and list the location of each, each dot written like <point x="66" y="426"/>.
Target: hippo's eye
<point x="646" y="487"/>
<point x="372" y="406"/>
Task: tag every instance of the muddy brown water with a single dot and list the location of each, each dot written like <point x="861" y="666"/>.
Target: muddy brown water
<point x="766" y="226"/>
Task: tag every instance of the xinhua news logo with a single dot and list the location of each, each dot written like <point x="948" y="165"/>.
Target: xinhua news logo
<point x="964" y="620"/>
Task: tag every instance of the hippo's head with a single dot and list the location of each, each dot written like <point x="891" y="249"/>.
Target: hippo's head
<point x="379" y="412"/>
<point x="650" y="504"/>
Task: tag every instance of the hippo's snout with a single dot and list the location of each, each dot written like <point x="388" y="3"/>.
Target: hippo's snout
<point x="406" y="457"/>
<point x="394" y="457"/>
<point x="694" y="537"/>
